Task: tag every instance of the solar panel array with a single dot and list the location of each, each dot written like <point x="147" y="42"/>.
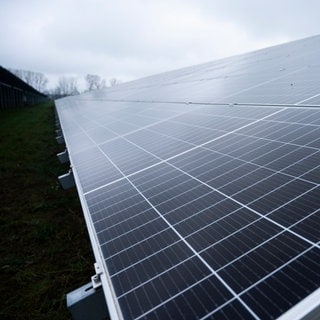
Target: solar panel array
<point x="197" y="206"/>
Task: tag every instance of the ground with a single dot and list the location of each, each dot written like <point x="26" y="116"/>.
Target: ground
<point x="44" y="245"/>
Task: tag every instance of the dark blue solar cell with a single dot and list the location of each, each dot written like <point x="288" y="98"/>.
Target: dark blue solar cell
<point x="131" y="221"/>
<point x="257" y="264"/>
<point x="239" y="243"/>
<point x="309" y="227"/>
<point x="121" y="127"/>
<point x="287" y="160"/>
<point x="248" y="147"/>
<point x="242" y="183"/>
<point x="101" y="134"/>
<point x="207" y="207"/>
<point x="155" y="176"/>
<point x="312" y="175"/>
<point x="154" y="293"/>
<point x="267" y="158"/>
<point x="230" y="143"/>
<point x="286" y="287"/>
<point x="298" y="209"/>
<point x="281" y="196"/>
<point x="225" y="178"/>
<point x="172" y="189"/>
<point x="158" y="144"/>
<point x="304" y="165"/>
<point x="126" y="239"/>
<point x="127" y="157"/>
<point x="141" y="250"/>
<point x="102" y="173"/>
<point x="220" y="229"/>
<point x="233" y="310"/>
<point x="260" y="150"/>
<point x="261" y="188"/>
<point x="151" y="267"/>
<point x="171" y="203"/>
<point x="198" y="301"/>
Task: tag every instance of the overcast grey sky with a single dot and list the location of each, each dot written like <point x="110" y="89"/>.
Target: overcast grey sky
<point x="129" y="39"/>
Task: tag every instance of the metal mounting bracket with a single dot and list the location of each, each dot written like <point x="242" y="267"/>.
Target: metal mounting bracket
<point x="67" y="180"/>
<point x="96" y="280"/>
<point x="58" y="132"/>
<point x="63" y="156"/>
<point x="60" y="139"/>
<point x="88" y="302"/>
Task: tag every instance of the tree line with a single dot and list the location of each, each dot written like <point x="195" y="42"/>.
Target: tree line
<point x="66" y="86"/>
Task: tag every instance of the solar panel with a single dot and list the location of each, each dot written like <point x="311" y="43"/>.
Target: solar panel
<point x="200" y="187"/>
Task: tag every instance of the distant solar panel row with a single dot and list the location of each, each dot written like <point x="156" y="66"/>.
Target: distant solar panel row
<point x="199" y="211"/>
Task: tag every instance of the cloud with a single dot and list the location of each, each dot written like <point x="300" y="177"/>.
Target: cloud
<point x="265" y="19"/>
<point x="128" y="39"/>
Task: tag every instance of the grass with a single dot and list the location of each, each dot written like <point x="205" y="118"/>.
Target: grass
<point x="44" y="245"/>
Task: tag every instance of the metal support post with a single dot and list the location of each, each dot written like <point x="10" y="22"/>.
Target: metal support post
<point x="63" y="156"/>
<point x="67" y="180"/>
<point x="87" y="303"/>
<point x="60" y="139"/>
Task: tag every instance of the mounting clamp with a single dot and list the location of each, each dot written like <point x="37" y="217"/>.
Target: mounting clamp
<point x="96" y="280"/>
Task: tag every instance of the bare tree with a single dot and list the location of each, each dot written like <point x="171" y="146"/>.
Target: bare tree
<point x="36" y="80"/>
<point x="67" y="86"/>
<point x="94" y="82"/>
<point x="113" y="82"/>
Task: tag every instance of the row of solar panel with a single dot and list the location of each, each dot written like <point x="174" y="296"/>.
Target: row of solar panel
<point x="284" y="74"/>
<point x="153" y="224"/>
<point x="204" y="211"/>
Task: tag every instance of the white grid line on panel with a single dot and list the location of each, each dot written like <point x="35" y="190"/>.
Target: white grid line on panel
<point x="181" y="153"/>
<point x="251" y="161"/>
<point x="253" y="210"/>
<point x="115" y="213"/>
<point x="119" y="223"/>
<point x="139" y="128"/>
<point x="276" y="270"/>
<point x="185" y="290"/>
<point x="183" y="240"/>
<point x="157" y="275"/>
<point x="313" y="245"/>
<point x="172" y="224"/>
<point x="246" y="226"/>
<point x="220" y="191"/>
<point x="209" y="149"/>
<point x="231" y="198"/>
<point x="307" y="99"/>
<point x="147" y="257"/>
<point x="259" y="166"/>
<point x="209" y="314"/>
<point x="264" y="82"/>
<point x="186" y="241"/>
<point x="136" y="243"/>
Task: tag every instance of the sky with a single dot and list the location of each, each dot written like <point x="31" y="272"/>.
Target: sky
<point x="130" y="39"/>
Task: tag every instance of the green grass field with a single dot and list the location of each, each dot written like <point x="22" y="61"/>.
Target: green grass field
<point x="45" y="250"/>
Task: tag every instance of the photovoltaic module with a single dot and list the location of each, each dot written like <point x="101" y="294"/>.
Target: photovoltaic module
<point x="200" y="187"/>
